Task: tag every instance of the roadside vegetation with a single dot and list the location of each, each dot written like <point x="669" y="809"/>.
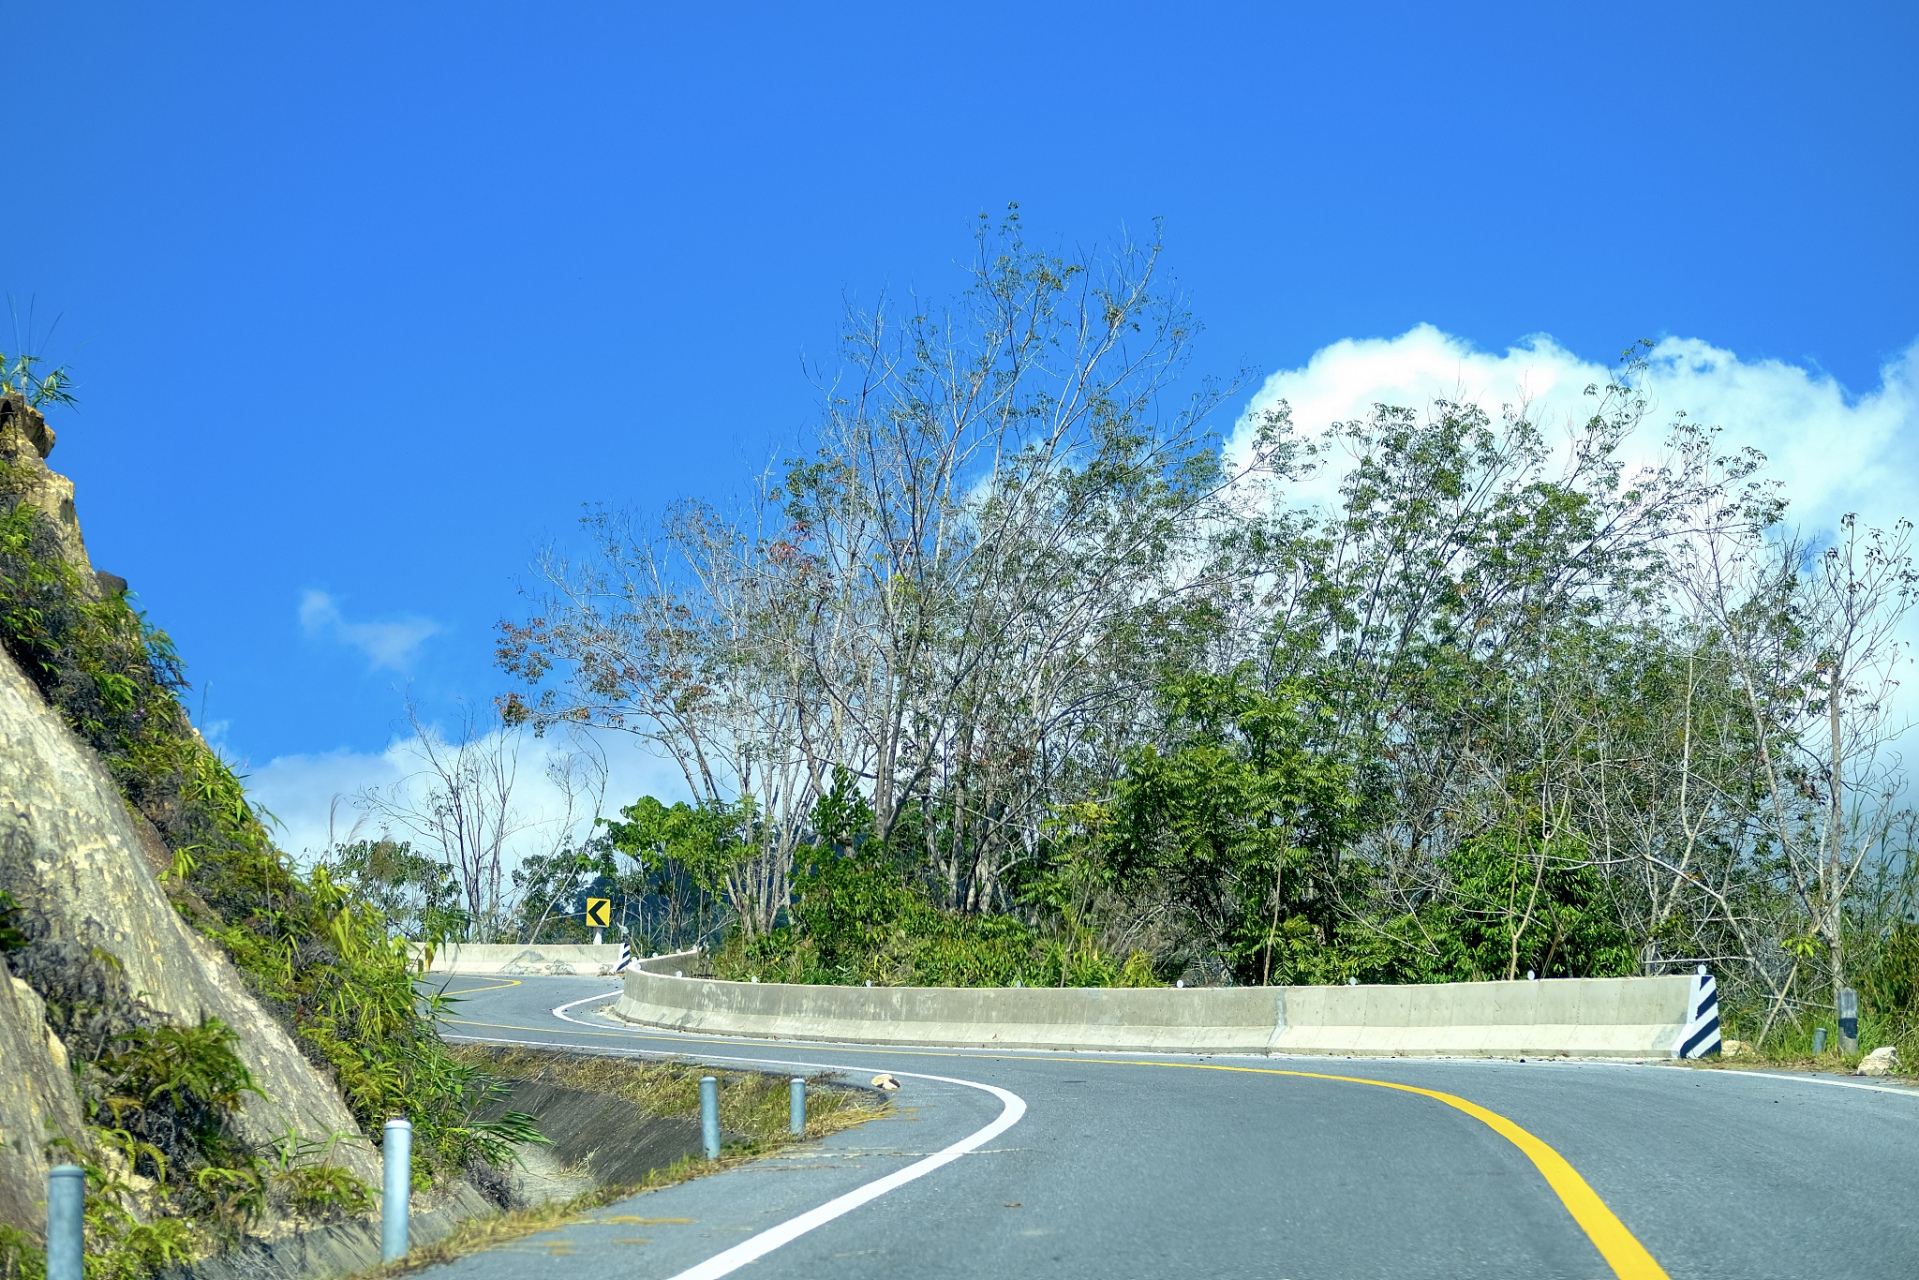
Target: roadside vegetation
<point x="1013" y="671"/>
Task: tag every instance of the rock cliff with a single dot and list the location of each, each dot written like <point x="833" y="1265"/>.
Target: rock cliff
<point x="37" y="1102"/>
<point x="88" y="906"/>
<point x="25" y="442"/>
<point x="72" y="857"/>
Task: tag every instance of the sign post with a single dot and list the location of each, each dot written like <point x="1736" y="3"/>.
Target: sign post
<point x="599" y="914"/>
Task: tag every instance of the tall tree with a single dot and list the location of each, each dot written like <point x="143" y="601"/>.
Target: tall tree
<point x="945" y="594"/>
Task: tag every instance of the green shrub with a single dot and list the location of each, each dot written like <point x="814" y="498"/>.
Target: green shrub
<point x="856" y="918"/>
<point x="121" y="1247"/>
<point x="20" y="1257"/>
<point x="1888" y="983"/>
<point x="325" y="1192"/>
<point x="11" y="939"/>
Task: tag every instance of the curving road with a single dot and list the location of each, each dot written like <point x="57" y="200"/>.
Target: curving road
<point x="1103" y="1165"/>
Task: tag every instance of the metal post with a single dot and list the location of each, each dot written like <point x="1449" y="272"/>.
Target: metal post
<point x="66" y="1222"/>
<point x="1818" y="1040"/>
<point x="1848" y="1020"/>
<point x="796" y="1110"/>
<point x="397" y="1155"/>
<point x="710" y="1116"/>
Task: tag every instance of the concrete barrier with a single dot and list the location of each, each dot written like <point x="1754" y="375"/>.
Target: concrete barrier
<point x="1576" y="1017"/>
<point x="518" y="958"/>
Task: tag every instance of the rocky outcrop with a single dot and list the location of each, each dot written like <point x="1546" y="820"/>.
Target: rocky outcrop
<point x="37" y="1102"/>
<point x="25" y="442"/>
<point x="71" y="856"/>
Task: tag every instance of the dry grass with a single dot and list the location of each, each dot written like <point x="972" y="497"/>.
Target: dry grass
<point x="751" y="1103"/>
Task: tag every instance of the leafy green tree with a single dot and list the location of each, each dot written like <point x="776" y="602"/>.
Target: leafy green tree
<point x="1510" y="909"/>
<point x="548" y="884"/>
<point x="1244" y="816"/>
<point x="419" y="896"/>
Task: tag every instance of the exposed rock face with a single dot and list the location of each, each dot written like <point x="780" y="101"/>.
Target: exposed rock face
<point x="71" y="854"/>
<point x="37" y="1102"/>
<point x="25" y="442"/>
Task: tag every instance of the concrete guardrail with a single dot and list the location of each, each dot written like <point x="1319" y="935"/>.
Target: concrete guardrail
<point x="1577" y="1017"/>
<point x="519" y="958"/>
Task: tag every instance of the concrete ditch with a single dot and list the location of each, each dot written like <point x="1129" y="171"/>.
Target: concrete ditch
<point x="594" y="1140"/>
<point x="1630" y="1018"/>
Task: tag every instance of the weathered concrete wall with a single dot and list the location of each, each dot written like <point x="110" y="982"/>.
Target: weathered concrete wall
<point x="70" y="853"/>
<point x="346" y="1248"/>
<point x="517" y="958"/>
<point x="1579" y="1017"/>
<point x="1584" y="1017"/>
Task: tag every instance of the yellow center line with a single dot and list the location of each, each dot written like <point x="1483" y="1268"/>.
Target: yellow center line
<point x="498" y="986"/>
<point x="1618" y="1246"/>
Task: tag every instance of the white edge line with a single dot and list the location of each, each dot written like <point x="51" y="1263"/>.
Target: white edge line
<point x="1013" y="1108"/>
<point x="1899" y="1090"/>
<point x="1735" y="1073"/>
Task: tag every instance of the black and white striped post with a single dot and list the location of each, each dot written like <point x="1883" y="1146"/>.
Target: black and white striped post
<point x="66" y="1222"/>
<point x="1700" y="1039"/>
<point x="1848" y="1020"/>
<point x="626" y="958"/>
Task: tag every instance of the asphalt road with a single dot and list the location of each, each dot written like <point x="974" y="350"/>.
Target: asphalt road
<point x="1115" y="1166"/>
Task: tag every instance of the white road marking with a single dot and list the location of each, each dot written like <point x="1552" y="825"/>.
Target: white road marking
<point x="1903" y="1091"/>
<point x="1732" y="1073"/>
<point x="1013" y="1107"/>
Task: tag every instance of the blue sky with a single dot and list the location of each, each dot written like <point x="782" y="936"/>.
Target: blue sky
<point x="365" y="301"/>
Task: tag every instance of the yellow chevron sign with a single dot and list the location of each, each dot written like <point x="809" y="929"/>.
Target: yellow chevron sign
<point x="599" y="912"/>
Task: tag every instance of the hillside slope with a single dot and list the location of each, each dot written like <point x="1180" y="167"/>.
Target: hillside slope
<point x="204" y="1028"/>
<point x="72" y="858"/>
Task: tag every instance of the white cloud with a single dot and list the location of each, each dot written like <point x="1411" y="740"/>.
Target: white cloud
<point x="314" y="797"/>
<point x="391" y="645"/>
<point x="1835" y="452"/>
